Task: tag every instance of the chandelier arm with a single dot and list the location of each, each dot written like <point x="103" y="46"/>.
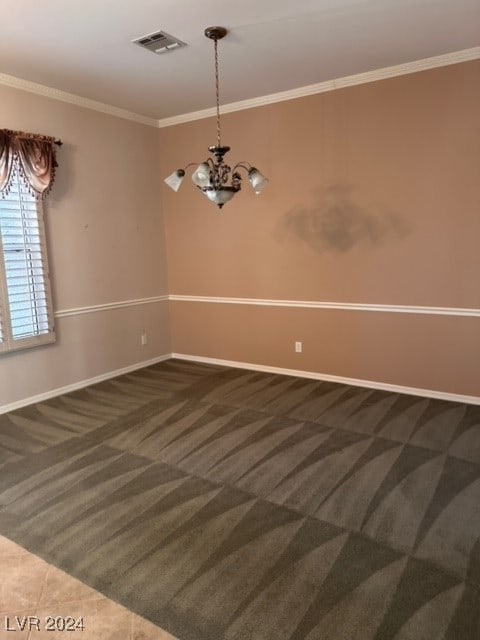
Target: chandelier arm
<point x="208" y="161"/>
<point x="243" y="165"/>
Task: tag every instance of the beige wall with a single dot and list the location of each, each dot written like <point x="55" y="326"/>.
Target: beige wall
<point x="106" y="244"/>
<point x="374" y="198"/>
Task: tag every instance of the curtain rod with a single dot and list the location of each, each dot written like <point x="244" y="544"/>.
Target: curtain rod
<point x="31" y="136"/>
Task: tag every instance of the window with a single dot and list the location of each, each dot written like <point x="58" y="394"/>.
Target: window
<point x="26" y="314"/>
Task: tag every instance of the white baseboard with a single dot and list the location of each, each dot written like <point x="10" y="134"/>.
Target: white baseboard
<point x="369" y="384"/>
<point x="41" y="397"/>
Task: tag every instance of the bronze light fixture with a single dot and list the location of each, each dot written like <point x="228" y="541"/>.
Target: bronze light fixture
<point x="215" y="179"/>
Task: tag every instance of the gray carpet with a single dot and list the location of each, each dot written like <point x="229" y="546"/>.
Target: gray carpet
<point x="225" y="504"/>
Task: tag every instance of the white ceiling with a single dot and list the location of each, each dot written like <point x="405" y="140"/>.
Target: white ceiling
<point x="84" y="46"/>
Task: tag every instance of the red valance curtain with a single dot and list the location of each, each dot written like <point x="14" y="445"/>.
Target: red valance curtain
<point x="33" y="155"/>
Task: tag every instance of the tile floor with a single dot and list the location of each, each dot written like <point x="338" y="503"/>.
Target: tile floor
<point x="35" y="595"/>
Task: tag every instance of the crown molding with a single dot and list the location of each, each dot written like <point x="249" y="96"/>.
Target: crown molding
<point x="415" y="66"/>
<point x="71" y="98"/>
<point x="330" y="85"/>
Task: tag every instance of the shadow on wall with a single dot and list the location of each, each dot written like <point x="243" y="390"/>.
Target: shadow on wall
<point x="335" y="222"/>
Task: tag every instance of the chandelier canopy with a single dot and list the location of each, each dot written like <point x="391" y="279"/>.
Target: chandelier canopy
<point x="214" y="177"/>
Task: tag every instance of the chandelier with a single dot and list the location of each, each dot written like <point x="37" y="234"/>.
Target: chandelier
<point x="215" y="179"/>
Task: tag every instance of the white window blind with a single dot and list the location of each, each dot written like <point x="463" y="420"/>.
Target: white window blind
<point x="26" y="314"/>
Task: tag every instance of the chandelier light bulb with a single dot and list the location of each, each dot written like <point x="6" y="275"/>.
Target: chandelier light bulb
<point x="201" y="175"/>
<point x="175" y="179"/>
<point x="258" y="182"/>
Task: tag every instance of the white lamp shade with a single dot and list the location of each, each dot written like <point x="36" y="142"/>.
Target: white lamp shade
<point x="175" y="179"/>
<point x="201" y="175"/>
<point x="258" y="182"/>
<point x="219" y="197"/>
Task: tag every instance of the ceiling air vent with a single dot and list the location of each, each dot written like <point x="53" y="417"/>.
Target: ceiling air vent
<point x="159" y="42"/>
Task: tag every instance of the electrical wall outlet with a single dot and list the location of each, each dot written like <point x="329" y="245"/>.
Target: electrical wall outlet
<point x="143" y="338"/>
<point x="298" y="347"/>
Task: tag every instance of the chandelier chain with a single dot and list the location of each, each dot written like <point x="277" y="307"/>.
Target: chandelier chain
<point x="217" y="90"/>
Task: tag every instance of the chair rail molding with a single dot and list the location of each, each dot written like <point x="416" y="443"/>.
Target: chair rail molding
<point x="95" y="308"/>
<point x="343" y="306"/>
